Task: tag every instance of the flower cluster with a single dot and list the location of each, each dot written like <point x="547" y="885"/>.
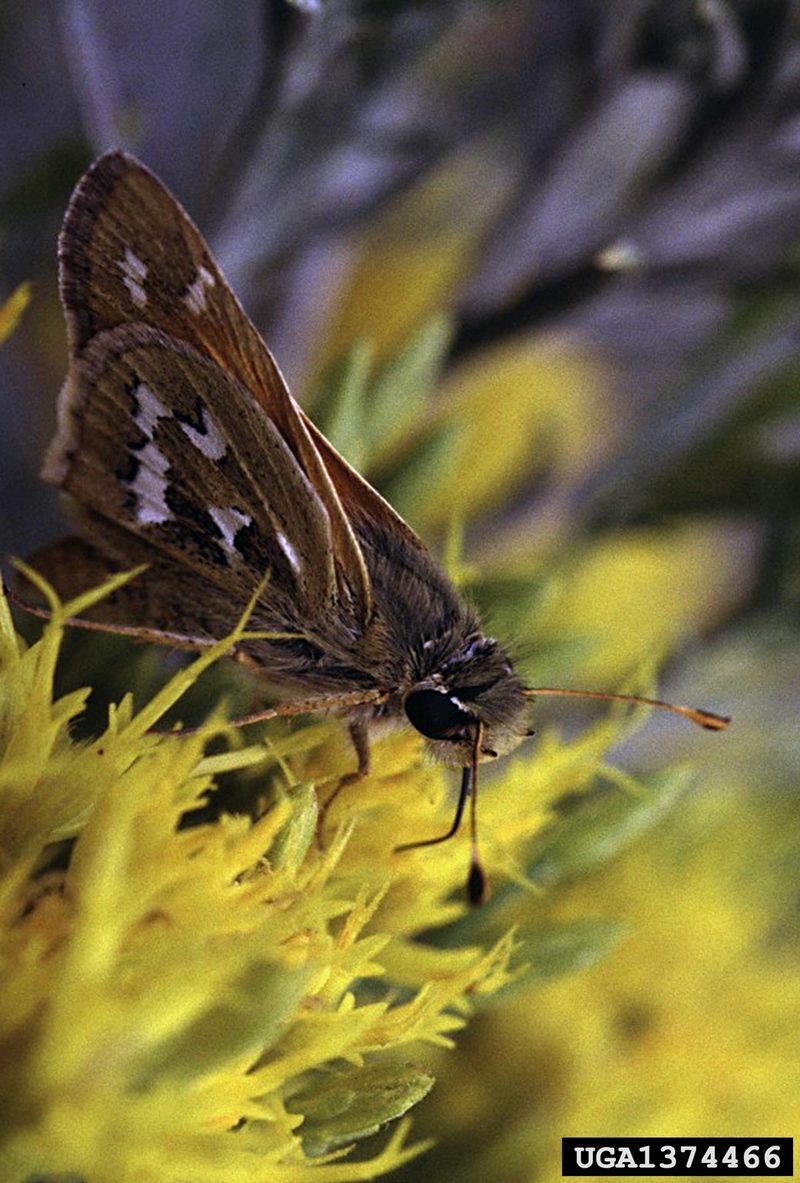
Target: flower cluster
<point x="245" y="994"/>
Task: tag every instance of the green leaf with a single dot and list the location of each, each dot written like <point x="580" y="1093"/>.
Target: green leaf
<point x="564" y="949"/>
<point x="246" y="1021"/>
<point x="293" y="842"/>
<point x="596" y="827"/>
<point x="426" y="475"/>
<point x="554" y="951"/>
<point x="365" y="414"/>
<point x="343" y="1106"/>
<point x="402" y="390"/>
<point x="343" y="412"/>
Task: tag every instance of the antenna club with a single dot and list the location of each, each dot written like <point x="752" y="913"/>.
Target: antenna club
<point x="477" y="884"/>
<point x="707" y="719"/>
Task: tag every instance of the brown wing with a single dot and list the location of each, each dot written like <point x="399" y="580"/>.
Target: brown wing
<point x="162" y="447"/>
<point x="358" y="496"/>
<point x="146" y="608"/>
<point x="129" y="254"/>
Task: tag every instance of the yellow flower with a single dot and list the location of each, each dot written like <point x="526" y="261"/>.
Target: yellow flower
<point x="194" y="993"/>
<point x="241" y="996"/>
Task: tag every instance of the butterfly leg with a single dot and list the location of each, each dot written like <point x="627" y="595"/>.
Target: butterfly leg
<point x="359" y="734"/>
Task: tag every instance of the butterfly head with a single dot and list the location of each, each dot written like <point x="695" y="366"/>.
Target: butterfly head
<point x="476" y="686"/>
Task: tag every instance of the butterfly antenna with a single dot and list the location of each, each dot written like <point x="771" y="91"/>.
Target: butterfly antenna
<point x="132" y="631"/>
<point x="708" y="719"/>
<point x="477" y="882"/>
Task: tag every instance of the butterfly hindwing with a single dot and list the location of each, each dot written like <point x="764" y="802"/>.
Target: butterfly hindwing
<point x="146" y="607"/>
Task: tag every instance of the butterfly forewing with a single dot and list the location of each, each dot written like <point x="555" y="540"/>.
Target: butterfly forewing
<point x="130" y="255"/>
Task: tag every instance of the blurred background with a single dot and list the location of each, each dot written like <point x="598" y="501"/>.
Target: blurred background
<point x="534" y="268"/>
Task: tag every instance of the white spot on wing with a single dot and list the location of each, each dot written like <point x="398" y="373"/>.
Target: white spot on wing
<point x="134" y="273"/>
<point x="290" y="552"/>
<point x="149" y="409"/>
<point x="150" y="486"/>
<point x="229" y="522"/>
<point x="210" y="440"/>
<point x="195" y="295"/>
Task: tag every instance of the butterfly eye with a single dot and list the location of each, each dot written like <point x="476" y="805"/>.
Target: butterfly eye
<point x="436" y="715"/>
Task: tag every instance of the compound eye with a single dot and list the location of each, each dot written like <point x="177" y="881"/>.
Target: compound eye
<point x="436" y="715"/>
